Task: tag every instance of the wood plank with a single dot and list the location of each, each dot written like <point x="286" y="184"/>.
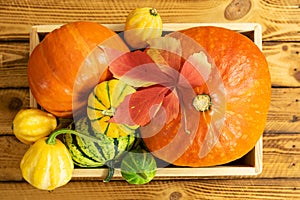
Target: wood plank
<point x="12" y="151"/>
<point x="281" y="154"/>
<point x="279" y="18"/>
<point x="276" y="189"/>
<point x="282" y="57"/>
<point x="13" y="64"/>
<point x="283" y="60"/>
<point x="284" y="112"/>
<point x="11" y="101"/>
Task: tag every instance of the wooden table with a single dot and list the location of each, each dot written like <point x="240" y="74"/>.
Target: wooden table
<point x="280" y="20"/>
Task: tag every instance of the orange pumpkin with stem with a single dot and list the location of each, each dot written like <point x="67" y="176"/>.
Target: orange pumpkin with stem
<point x="247" y="88"/>
<point x="53" y="68"/>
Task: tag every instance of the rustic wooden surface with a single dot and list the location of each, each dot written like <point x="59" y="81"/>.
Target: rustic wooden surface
<point x="280" y="20"/>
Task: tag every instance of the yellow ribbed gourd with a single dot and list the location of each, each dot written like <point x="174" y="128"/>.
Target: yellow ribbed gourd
<point x="102" y="104"/>
<point x="47" y="164"/>
<point x="31" y="124"/>
<point x="141" y="25"/>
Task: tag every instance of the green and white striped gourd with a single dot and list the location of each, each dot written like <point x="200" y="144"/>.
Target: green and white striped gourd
<point x="90" y="153"/>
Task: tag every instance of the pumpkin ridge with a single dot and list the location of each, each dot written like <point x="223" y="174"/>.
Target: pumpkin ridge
<point x="96" y="119"/>
<point x="121" y="93"/>
<point x="108" y="94"/>
<point x="42" y="93"/>
<point x="76" y="34"/>
<point x="98" y="99"/>
<point x="107" y="127"/>
<point x="93" y="108"/>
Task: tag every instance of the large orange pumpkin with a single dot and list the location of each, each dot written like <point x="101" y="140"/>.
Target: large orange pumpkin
<point x="53" y="68"/>
<point x="247" y="86"/>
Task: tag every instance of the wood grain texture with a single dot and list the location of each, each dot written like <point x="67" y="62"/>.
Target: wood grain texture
<point x="283" y="60"/>
<point x="11" y="101"/>
<point x="278" y="189"/>
<point x="12" y="151"/>
<point x="13" y="64"/>
<point x="281" y="154"/>
<point x="279" y="18"/>
<point x="284" y="111"/>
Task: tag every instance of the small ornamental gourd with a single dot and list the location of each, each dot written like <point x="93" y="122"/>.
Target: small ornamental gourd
<point x="102" y="104"/>
<point x="47" y="164"/>
<point x="31" y="124"/>
<point x="138" y="167"/>
<point x="95" y="153"/>
<point x="141" y="25"/>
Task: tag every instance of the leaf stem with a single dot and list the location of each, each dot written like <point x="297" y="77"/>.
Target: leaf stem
<point x="181" y="103"/>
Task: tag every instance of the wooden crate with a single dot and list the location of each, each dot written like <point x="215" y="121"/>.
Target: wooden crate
<point x="250" y="164"/>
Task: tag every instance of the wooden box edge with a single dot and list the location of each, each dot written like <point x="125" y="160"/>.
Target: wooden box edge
<point x="255" y="159"/>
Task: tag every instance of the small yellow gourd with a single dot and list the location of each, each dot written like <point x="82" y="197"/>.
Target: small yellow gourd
<point x="47" y="164"/>
<point x="141" y="25"/>
<point x="31" y="124"/>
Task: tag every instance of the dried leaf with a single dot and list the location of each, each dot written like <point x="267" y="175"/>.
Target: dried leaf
<point x="138" y="70"/>
<point x="140" y="107"/>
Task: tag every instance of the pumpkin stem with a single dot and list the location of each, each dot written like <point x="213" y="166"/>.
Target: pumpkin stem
<point x="153" y="11"/>
<point x="110" y="112"/>
<point x="51" y="139"/>
<point x="202" y="102"/>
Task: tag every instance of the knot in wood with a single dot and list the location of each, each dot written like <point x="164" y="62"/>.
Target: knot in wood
<point x="15" y="104"/>
<point x="175" y="196"/>
<point x="237" y="9"/>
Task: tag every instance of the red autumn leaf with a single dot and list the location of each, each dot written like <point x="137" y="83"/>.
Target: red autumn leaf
<point x="137" y="69"/>
<point x="110" y="54"/>
<point x="171" y="106"/>
<point x="138" y="108"/>
<point x="167" y="48"/>
<point x="165" y="85"/>
<point x="196" y="70"/>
